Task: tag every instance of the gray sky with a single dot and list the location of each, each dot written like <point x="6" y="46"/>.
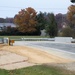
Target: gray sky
<point x="8" y="8"/>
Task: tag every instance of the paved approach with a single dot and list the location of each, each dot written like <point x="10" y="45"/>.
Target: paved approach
<point x="62" y="46"/>
<point x="70" y="47"/>
<point x="63" y="49"/>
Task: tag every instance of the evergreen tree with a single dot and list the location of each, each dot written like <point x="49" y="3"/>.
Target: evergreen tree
<point x="51" y="27"/>
<point x="73" y="1"/>
<point x="41" y="21"/>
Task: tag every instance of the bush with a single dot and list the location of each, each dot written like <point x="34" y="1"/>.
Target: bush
<point x="67" y="32"/>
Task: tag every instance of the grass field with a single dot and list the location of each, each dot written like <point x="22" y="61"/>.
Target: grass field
<point x="19" y="37"/>
<point x="37" y="70"/>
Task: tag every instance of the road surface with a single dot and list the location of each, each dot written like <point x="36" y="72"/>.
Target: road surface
<point x="62" y="49"/>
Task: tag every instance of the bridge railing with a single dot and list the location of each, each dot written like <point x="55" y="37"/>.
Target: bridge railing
<point x="38" y="39"/>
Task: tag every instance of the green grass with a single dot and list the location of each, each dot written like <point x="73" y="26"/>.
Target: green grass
<point x="37" y="70"/>
<point x="25" y="36"/>
<point x="19" y="37"/>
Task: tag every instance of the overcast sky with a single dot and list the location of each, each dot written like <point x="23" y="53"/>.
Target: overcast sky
<point x="8" y="8"/>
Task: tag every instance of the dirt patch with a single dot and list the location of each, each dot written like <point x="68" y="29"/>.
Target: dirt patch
<point x="9" y="60"/>
<point x="34" y="55"/>
<point x="70" y="67"/>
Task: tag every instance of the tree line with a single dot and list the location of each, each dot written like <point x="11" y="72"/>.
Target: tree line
<point x="7" y="20"/>
<point x="29" y="22"/>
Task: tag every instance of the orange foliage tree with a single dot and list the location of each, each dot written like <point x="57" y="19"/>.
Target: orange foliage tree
<point x="25" y="20"/>
<point x="71" y="14"/>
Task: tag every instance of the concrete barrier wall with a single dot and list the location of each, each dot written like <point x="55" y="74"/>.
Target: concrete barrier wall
<point x="63" y="39"/>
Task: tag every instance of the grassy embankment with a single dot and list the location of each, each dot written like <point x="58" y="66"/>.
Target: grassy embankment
<point x="37" y="70"/>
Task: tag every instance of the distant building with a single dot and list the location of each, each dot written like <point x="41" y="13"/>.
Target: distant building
<point x="64" y="25"/>
<point x="5" y="25"/>
<point x="43" y="32"/>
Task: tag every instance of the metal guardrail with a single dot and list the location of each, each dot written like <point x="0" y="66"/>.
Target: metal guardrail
<point x="4" y="40"/>
<point x="1" y="40"/>
<point x="7" y="41"/>
<point x="38" y="39"/>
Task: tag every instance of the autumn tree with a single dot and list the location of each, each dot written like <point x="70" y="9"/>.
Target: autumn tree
<point x="25" y="20"/>
<point x="71" y="19"/>
<point x="71" y="14"/>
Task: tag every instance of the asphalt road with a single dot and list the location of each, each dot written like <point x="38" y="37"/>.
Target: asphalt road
<point x="60" y="49"/>
<point x="62" y="46"/>
<point x="70" y="47"/>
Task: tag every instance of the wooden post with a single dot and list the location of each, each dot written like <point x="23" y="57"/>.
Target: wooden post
<point x="8" y="42"/>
